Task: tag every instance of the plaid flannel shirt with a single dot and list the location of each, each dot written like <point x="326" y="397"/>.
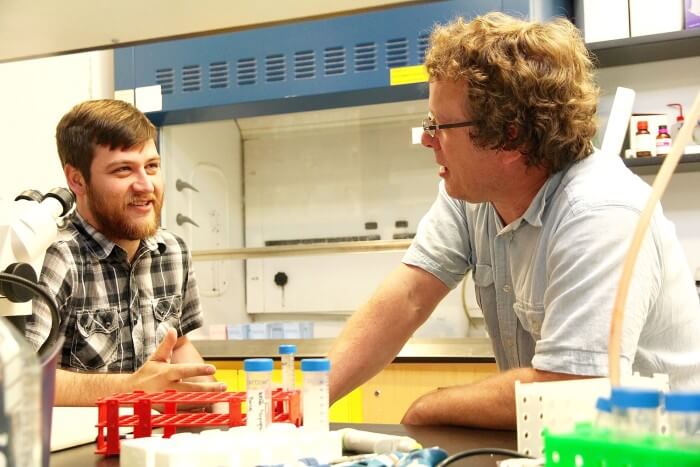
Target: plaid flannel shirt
<point x="113" y="314"/>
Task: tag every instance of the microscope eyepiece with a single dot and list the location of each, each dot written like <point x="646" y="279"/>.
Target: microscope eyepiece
<point x="64" y="196"/>
<point x="30" y="195"/>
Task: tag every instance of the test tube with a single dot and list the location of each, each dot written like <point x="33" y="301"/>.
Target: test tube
<point x="683" y="410"/>
<point x="258" y="392"/>
<point x="604" y="417"/>
<point x="287" y="352"/>
<point x="635" y="411"/>
<point x="314" y="394"/>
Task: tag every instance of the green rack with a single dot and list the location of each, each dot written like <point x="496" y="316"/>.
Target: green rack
<point x="588" y="446"/>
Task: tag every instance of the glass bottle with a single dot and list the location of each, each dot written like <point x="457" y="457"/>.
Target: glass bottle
<point x="643" y="140"/>
<point x="20" y="400"/>
<point x="683" y="410"/>
<point x="635" y="411"/>
<point x="663" y="141"/>
<point x="604" y="417"/>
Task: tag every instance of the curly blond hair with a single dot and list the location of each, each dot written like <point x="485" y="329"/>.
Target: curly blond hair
<point x="534" y="78"/>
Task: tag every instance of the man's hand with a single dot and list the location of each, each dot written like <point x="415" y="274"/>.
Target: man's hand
<point x="158" y="374"/>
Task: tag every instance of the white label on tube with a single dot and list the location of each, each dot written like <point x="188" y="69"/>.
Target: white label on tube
<point x="257" y="410"/>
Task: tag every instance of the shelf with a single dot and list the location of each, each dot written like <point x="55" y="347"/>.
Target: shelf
<point x="651" y="48"/>
<point x="301" y="249"/>
<point x="650" y="165"/>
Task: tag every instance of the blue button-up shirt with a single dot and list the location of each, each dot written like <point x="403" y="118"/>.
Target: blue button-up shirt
<point x="546" y="283"/>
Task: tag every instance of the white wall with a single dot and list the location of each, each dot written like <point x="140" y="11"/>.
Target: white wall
<point x="46" y="27"/>
<point x="34" y="95"/>
<point x="324" y="174"/>
<point x="208" y="157"/>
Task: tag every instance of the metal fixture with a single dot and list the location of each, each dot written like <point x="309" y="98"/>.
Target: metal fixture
<point x="182" y="185"/>
<point x="182" y="219"/>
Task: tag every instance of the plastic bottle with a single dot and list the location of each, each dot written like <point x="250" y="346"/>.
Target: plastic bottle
<point x="287" y="352"/>
<point x="314" y="396"/>
<point x="635" y="411"/>
<point x="20" y="400"/>
<point x="679" y="120"/>
<point x="663" y="141"/>
<point x="643" y="140"/>
<point x="604" y="417"/>
<point x="258" y="392"/>
<point x="683" y="410"/>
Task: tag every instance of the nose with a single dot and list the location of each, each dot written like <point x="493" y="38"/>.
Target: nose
<point x="143" y="183"/>
<point x="430" y="141"/>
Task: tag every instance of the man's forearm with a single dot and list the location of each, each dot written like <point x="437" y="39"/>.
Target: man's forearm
<point x="377" y="331"/>
<point x="361" y="352"/>
<point x="488" y="404"/>
<point x="83" y="389"/>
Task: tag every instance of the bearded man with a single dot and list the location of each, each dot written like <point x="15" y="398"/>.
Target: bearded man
<point x="125" y="288"/>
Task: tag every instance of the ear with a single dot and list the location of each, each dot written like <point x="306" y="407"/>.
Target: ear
<point x="75" y="180"/>
<point x="512" y="157"/>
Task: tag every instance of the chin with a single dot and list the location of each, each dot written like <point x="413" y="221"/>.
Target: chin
<point x="457" y="194"/>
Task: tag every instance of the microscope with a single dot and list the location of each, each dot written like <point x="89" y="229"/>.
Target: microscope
<point x="28" y="226"/>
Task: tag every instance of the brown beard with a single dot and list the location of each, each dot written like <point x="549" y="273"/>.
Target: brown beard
<point x="112" y="218"/>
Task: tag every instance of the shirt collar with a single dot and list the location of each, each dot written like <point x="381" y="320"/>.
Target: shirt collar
<point x="535" y="211"/>
<point x="533" y="214"/>
<point x="102" y="247"/>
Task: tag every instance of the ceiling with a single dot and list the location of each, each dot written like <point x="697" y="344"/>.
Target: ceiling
<point x="39" y="28"/>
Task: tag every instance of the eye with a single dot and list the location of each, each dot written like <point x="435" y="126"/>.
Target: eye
<point x="121" y="170"/>
<point x="153" y="167"/>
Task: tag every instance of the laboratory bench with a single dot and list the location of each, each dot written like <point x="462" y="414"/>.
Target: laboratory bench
<point x="452" y="439"/>
<point x="423" y="365"/>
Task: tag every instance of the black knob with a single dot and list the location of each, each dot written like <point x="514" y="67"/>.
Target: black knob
<point x="281" y="279"/>
<point x="17" y="293"/>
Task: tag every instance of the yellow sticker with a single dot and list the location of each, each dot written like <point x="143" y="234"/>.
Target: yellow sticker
<point x="408" y="75"/>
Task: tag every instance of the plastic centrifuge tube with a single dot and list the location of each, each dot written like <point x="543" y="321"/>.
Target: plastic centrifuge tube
<point x="635" y="411"/>
<point x="683" y="409"/>
<point x="287" y="352"/>
<point x="258" y="392"/>
<point x="604" y="417"/>
<point x="314" y="394"/>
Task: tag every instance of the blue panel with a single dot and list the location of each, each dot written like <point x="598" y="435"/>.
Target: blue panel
<point x="124" y="68"/>
<point x="306" y="65"/>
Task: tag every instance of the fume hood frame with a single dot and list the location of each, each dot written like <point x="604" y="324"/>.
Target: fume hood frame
<point x="308" y="65"/>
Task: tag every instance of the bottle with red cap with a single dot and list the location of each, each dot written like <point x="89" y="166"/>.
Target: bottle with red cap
<point x="644" y="142"/>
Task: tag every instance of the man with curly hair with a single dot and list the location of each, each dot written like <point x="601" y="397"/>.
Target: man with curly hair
<point x="542" y="219"/>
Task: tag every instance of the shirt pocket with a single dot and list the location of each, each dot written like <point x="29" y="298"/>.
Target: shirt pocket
<point x="167" y="312"/>
<point x="531" y="317"/>
<point x="483" y="287"/>
<point x="96" y="339"/>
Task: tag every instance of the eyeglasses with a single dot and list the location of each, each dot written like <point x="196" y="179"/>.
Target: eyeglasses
<point x="430" y="127"/>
